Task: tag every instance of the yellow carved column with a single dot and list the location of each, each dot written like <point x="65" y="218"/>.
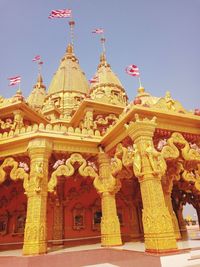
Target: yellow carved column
<point x="107" y="186"/>
<point x="35" y="237"/>
<point x="149" y="166"/>
<point x="167" y="184"/>
<point x="168" y="202"/>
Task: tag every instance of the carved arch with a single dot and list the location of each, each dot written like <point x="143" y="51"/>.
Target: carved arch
<point x="67" y="169"/>
<point x="121" y="163"/>
<point x="17" y="173"/>
<point x="177" y="147"/>
<point x="171" y="151"/>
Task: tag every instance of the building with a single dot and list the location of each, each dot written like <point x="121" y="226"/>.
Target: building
<point x="79" y="163"/>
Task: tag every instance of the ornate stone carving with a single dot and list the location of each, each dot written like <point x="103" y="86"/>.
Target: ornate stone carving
<point x="87" y="122"/>
<point x="178" y="147"/>
<point x="158" y="228"/>
<point x="107" y="186"/>
<point x="35" y="230"/>
<point x="167" y="103"/>
<point x="15" y="173"/>
<point x="68" y="170"/>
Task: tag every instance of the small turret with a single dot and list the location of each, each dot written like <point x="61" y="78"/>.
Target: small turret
<point x="38" y="94"/>
<point x="107" y="88"/>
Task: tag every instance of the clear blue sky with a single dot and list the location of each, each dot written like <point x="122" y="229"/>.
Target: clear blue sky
<point x="162" y="37"/>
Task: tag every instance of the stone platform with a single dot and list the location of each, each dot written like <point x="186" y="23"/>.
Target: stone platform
<point x="130" y="254"/>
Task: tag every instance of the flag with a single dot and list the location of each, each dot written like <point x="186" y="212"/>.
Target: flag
<point x="36" y="58"/>
<point x="133" y="70"/>
<point x="60" y="13"/>
<point x="14" y="80"/>
<point x="98" y="31"/>
<point x="95" y="79"/>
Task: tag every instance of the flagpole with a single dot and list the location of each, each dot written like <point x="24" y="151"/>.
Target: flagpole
<point x="19" y="88"/>
<point x="140" y="83"/>
<point x="71" y="25"/>
<point x="39" y="68"/>
<point x="103" y="40"/>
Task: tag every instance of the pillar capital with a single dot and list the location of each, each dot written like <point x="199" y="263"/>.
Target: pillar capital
<point x="103" y="158"/>
<point x="39" y="146"/>
<point x="141" y="128"/>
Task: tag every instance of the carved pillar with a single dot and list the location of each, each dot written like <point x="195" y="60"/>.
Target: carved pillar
<point x="108" y="186"/>
<point x="149" y="166"/>
<point x="168" y="202"/>
<point x="181" y="222"/>
<point x="58" y="213"/>
<point x="35" y="237"/>
<point x="167" y="184"/>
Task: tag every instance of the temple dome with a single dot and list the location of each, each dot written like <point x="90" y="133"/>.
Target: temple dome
<point x="107" y="87"/>
<point x="38" y="94"/>
<point x="69" y="76"/>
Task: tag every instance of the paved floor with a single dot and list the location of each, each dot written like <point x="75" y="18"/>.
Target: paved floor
<point x="187" y="256"/>
<point x="133" y="246"/>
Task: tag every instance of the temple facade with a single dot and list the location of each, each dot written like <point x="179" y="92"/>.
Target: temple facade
<point x="80" y="164"/>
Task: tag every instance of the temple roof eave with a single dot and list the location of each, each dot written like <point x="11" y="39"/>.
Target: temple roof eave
<point x="104" y="108"/>
<point x="29" y="112"/>
<point x="19" y="144"/>
<point x="178" y="122"/>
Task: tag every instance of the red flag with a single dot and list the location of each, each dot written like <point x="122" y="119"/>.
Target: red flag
<point x="36" y="58"/>
<point x="95" y="79"/>
<point x="14" y="80"/>
<point x="133" y="70"/>
<point x="98" y="31"/>
<point x="60" y="13"/>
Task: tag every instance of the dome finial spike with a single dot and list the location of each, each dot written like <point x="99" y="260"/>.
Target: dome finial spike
<point x="71" y="25"/>
<point x="103" y="40"/>
<point x="70" y="49"/>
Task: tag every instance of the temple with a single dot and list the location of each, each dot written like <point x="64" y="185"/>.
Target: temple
<point x="80" y="163"/>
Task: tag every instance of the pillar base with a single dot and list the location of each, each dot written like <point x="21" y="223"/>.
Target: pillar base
<point x="160" y="243"/>
<point x="34" y="249"/>
<point x="161" y="251"/>
<point x="111" y="240"/>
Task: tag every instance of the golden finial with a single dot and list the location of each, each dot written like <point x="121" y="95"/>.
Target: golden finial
<point x="39" y="79"/>
<point x="103" y="61"/>
<point x="103" y="58"/>
<point x="19" y="92"/>
<point x="141" y="90"/>
<point x="69" y="49"/>
<point x="39" y="83"/>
